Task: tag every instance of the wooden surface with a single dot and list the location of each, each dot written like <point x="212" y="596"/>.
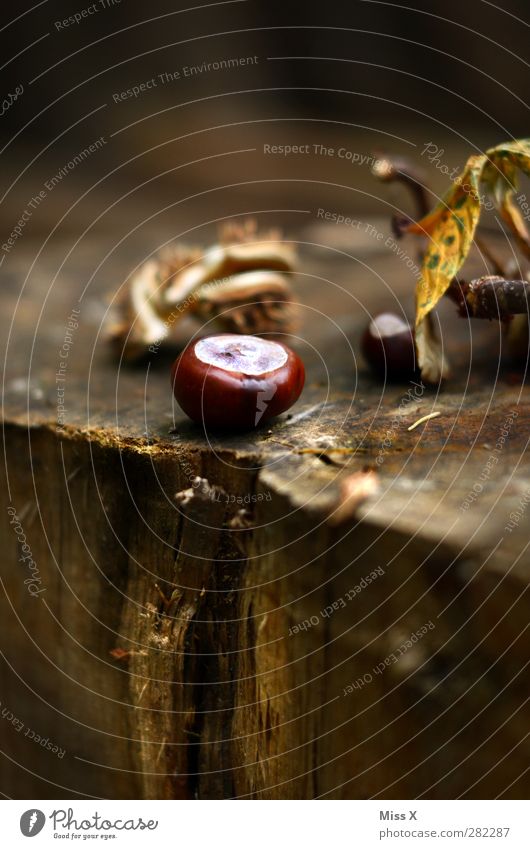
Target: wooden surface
<point x="215" y="698"/>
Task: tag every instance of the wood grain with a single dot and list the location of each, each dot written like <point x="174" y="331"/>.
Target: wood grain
<point x="215" y="694"/>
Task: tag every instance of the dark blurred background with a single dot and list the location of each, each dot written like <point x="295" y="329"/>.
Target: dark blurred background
<point x="366" y="74"/>
<point x="420" y="62"/>
<point x="459" y="67"/>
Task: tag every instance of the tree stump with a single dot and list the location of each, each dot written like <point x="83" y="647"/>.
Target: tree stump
<point x="233" y="640"/>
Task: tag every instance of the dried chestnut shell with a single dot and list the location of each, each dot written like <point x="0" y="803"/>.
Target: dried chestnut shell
<point x="236" y="381"/>
<point x="388" y="346"/>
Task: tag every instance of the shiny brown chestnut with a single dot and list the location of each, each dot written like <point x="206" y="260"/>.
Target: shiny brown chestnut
<point x="388" y="346"/>
<point x="233" y="381"/>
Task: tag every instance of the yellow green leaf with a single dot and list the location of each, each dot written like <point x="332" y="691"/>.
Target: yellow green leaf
<point x="450" y="227"/>
<point x="502" y="180"/>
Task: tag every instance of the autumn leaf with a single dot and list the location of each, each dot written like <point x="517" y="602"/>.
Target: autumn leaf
<point x="431" y="359"/>
<point x="451" y="229"/>
<point x="501" y="178"/>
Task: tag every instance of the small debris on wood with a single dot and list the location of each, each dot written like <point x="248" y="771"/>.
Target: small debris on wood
<point x="124" y="654"/>
<point x="242" y="521"/>
<point x="200" y="488"/>
<point x="424" y="419"/>
<point x="355" y="489"/>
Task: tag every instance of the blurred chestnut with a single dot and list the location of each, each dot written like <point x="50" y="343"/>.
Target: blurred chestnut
<point x="387" y="345"/>
<point x="236" y="381"/>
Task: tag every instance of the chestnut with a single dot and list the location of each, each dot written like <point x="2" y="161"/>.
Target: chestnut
<point x="387" y="345"/>
<point x="236" y="381"/>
